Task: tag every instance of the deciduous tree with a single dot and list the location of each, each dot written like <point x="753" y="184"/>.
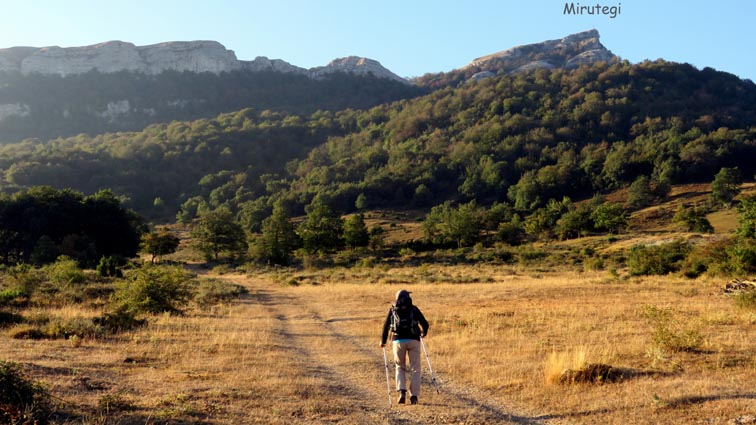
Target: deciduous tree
<point x="218" y="232"/>
<point x="159" y="243"/>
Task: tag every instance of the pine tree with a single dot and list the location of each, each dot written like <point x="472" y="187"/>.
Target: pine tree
<point x="278" y="236"/>
<point x="726" y="186"/>
<point x="322" y="230"/>
<point x="355" y="231"/>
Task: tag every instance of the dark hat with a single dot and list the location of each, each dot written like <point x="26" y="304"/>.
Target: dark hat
<point x="403" y="293"/>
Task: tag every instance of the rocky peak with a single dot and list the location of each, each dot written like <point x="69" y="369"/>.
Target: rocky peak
<point x="357" y="66"/>
<point x="568" y="52"/>
<point x="262" y="63"/>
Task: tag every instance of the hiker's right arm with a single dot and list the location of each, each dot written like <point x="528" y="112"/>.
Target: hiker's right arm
<point x="423" y="323"/>
<point x="386" y="325"/>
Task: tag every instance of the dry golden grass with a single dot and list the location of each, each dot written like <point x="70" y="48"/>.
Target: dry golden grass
<point x="497" y="338"/>
<point x="499" y="334"/>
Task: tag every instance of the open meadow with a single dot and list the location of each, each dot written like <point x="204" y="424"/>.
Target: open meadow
<point x="302" y="347"/>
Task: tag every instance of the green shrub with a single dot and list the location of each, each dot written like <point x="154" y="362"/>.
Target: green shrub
<point x="669" y="333"/>
<point x="366" y="262"/>
<point x="11" y="296"/>
<point x="119" y="320"/>
<point x="503" y="252"/>
<point x="346" y="258"/>
<point x="114" y="402"/>
<point x="25" y="277"/>
<point x="64" y="272"/>
<point x="742" y="256"/>
<point x="657" y="260"/>
<point x="594" y="263"/>
<point x="406" y="252"/>
<point x="745" y="300"/>
<point x="529" y="254"/>
<point x="109" y="267"/>
<point x="222" y="269"/>
<point x="26" y="332"/>
<point x="155" y="289"/>
<point x="213" y="291"/>
<point x="723" y="257"/>
<point x="21" y="401"/>
<point x="511" y="233"/>
<point x="711" y="258"/>
<point x="79" y="326"/>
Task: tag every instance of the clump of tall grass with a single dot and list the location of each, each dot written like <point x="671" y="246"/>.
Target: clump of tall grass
<point x="578" y="366"/>
<point x="559" y="362"/>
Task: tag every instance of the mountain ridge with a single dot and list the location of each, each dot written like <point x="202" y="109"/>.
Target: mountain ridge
<point x="193" y="56"/>
<point x="211" y="56"/>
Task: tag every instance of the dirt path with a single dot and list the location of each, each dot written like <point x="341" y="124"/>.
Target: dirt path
<point x="351" y="371"/>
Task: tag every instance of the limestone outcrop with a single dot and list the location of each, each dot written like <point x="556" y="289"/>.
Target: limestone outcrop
<point x="115" y="56"/>
<point x="568" y="52"/>
<point x="357" y="66"/>
<point x="192" y="56"/>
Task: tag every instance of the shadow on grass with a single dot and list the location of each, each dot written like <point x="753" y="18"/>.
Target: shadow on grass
<point x="676" y="403"/>
<point x="699" y="399"/>
<point x="597" y="373"/>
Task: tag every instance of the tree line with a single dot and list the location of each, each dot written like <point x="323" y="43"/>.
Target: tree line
<point x="40" y="224"/>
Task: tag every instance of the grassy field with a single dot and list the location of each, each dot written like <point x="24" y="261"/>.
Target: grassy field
<point x="679" y="352"/>
<point x="560" y="338"/>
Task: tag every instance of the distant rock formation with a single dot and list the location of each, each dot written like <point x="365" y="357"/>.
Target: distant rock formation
<point x="568" y="52"/>
<point x="192" y="56"/>
<point x="114" y="56"/>
<point x="357" y="66"/>
<point x="261" y="63"/>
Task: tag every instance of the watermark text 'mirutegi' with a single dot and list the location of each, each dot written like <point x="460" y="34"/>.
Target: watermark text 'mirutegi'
<point x="597" y="9"/>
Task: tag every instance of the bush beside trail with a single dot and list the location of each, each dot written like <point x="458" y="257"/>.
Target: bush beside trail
<point x="22" y="401"/>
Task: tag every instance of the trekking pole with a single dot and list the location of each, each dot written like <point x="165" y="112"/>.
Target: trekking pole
<point x="433" y="374"/>
<point x="388" y="383"/>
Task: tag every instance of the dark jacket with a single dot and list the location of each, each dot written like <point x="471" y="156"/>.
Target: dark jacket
<point x="417" y="315"/>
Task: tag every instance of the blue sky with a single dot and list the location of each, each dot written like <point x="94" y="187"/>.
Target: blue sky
<point x="410" y="37"/>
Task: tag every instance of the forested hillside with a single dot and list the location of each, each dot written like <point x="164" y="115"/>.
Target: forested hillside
<point x="541" y="135"/>
<point x="522" y="139"/>
<point x="160" y="167"/>
<point x="50" y="106"/>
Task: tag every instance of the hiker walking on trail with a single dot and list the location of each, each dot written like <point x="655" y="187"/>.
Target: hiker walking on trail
<point x="408" y="326"/>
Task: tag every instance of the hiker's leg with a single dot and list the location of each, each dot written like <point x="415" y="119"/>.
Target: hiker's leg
<point x="400" y="360"/>
<point x="415" y="360"/>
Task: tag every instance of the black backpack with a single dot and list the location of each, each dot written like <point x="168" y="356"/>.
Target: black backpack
<point x="403" y="319"/>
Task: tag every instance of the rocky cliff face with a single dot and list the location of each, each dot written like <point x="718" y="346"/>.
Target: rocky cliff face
<point x="568" y="52"/>
<point x="114" y="56"/>
<point x="192" y="56"/>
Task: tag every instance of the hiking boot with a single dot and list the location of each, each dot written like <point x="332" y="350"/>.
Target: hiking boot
<point x="402" y="396"/>
<point x="413" y="399"/>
